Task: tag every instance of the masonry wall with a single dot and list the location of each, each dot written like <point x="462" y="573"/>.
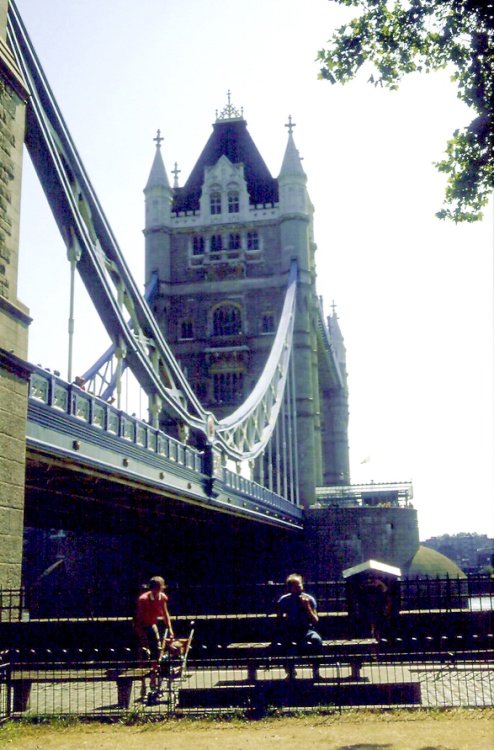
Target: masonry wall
<point x="338" y="538"/>
<point x="14" y="319"/>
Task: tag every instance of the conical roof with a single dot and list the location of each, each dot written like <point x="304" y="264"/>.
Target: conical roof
<point x="157" y="176"/>
<point x="229" y="138"/>
<point x="292" y="163"/>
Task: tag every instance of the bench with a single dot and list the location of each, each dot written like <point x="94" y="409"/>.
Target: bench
<point x="261" y="654"/>
<point x="22" y="677"/>
<point x="230" y="677"/>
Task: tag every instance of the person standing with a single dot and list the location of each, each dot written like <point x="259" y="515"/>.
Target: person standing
<point x="152" y="606"/>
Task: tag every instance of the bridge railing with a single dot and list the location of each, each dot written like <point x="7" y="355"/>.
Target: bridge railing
<point x="49" y="389"/>
<point x="255" y="491"/>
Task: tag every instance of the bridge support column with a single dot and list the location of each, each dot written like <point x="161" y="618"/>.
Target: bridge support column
<point x="14" y="319"/>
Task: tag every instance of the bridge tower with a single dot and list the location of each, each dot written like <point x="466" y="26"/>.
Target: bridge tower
<point x="14" y="319"/>
<point x="221" y="247"/>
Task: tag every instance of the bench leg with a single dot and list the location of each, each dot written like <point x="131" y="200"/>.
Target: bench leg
<point x="251" y="672"/>
<point x="124" y="690"/>
<point x="316" y="671"/>
<point x="22" y="693"/>
<point x="355" y="665"/>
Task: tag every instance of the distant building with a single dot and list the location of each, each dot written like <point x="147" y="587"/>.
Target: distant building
<point x="471" y="552"/>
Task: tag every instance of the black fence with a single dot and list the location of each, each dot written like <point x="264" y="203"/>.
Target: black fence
<point x="415" y="594"/>
<point x="248" y="678"/>
<point x="436" y="650"/>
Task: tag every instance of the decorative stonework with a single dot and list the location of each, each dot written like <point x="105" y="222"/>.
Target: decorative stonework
<point x="222" y="271"/>
<point x="230" y="112"/>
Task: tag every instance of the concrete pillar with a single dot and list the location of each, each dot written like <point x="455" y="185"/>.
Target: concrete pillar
<point x="14" y="319"/>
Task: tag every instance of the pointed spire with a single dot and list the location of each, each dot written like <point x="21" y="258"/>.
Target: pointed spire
<point x="292" y="163"/>
<point x="157" y="176"/>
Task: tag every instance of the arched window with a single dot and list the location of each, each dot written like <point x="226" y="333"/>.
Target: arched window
<point x="227" y="320"/>
<point x="215" y="202"/>
<point x="186" y="329"/>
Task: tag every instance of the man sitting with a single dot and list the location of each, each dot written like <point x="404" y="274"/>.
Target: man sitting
<point x="297" y="616"/>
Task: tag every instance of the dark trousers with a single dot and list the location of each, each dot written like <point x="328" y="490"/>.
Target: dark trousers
<point x="294" y="644"/>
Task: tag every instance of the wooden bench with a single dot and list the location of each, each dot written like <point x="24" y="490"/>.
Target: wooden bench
<point x="230" y="677"/>
<point x="21" y="678"/>
<point x="261" y="654"/>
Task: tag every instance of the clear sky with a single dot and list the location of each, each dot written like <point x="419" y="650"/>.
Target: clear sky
<point x="414" y="295"/>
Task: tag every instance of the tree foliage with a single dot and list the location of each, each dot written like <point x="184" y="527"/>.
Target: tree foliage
<point x="400" y="37"/>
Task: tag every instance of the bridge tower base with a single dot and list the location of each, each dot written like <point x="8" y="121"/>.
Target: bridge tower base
<point x="338" y="538"/>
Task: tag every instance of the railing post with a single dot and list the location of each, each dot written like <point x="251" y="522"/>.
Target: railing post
<point x="213" y="470"/>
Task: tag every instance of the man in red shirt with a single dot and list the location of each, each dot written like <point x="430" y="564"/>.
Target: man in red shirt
<point x="151" y="607"/>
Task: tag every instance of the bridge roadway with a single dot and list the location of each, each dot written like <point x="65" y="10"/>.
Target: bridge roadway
<point x="82" y="442"/>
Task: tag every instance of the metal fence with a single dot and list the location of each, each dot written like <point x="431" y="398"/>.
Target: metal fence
<point x="437" y="652"/>
<point x="415" y="594"/>
<point x="99" y="683"/>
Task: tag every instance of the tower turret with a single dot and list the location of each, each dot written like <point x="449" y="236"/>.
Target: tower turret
<point x="158" y="196"/>
<point x="296" y="235"/>
<point x="295" y="206"/>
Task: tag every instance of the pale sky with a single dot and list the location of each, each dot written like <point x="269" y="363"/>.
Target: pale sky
<point x="414" y="295"/>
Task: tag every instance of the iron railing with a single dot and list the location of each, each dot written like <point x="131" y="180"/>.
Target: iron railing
<point x="474" y="593"/>
<point x="103" y="682"/>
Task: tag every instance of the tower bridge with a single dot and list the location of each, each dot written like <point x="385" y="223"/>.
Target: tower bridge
<point x="245" y="378"/>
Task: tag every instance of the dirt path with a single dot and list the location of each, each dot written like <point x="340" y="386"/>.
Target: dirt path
<point x="451" y="730"/>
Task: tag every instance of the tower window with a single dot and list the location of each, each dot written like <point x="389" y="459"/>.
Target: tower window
<point x="186" y="329"/>
<point x="233" y="202"/>
<point x="215" y="203"/>
<point x="252" y="241"/>
<point x="227" y="321"/>
<point x="216" y="243"/>
<point x="267" y="322"/>
<point x="234" y="242"/>
<point x="198" y="245"/>
<point x="228" y="387"/>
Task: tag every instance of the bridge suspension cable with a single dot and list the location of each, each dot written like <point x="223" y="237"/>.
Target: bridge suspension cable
<point x="137" y="343"/>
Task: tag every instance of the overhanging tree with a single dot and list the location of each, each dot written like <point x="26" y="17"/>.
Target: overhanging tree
<point x="397" y="38"/>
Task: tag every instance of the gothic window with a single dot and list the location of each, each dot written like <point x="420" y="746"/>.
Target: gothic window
<point x="215" y="202"/>
<point x="198" y="245"/>
<point x="216" y="243"/>
<point x="227" y="320"/>
<point x="228" y="387"/>
<point x="233" y="202"/>
<point x="252" y="241"/>
<point x="267" y="322"/>
<point x="186" y="329"/>
<point x="234" y="242"/>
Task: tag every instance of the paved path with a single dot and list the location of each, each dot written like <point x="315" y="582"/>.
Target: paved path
<point x="441" y="686"/>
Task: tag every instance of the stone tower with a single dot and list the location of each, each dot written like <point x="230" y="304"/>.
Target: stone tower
<point x="220" y="248"/>
<point x="14" y="319"/>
